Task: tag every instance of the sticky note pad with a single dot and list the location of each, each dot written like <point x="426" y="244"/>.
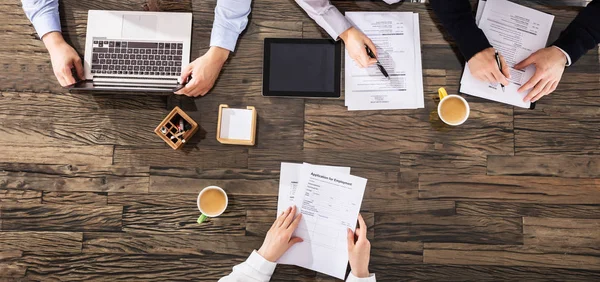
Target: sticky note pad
<point x="236" y="124"/>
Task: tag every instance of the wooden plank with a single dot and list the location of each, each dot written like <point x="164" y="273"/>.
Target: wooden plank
<point x="10" y="254"/>
<point x="384" y="251"/>
<point x="233" y="181"/>
<point x="12" y="270"/>
<point x="558" y="129"/>
<point x="165" y="156"/>
<point x="465" y="229"/>
<point x="168" y="244"/>
<point x="436" y="272"/>
<point x="561" y="232"/>
<point x="237" y="202"/>
<point x="469" y="254"/>
<point x="32" y="241"/>
<point x="561" y="166"/>
<point x="75" y="198"/>
<point x="50" y="217"/>
<point x="442" y="163"/>
<point x="329" y="125"/>
<point x="72" y="119"/>
<point x="525" y="189"/>
<point x="527" y="209"/>
<point x="74" y="177"/>
<point x="93" y="155"/>
<point x="272" y="158"/>
<point x="20" y="196"/>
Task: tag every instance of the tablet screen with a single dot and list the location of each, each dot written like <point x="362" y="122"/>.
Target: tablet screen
<point x="302" y="68"/>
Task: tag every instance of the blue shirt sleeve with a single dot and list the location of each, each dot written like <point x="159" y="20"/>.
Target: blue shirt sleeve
<point x="43" y="14"/>
<point x="231" y="18"/>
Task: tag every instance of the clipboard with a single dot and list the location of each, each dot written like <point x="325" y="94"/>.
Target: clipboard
<point x="236" y="126"/>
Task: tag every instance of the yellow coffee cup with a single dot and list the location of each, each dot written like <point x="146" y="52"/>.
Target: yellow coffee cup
<point x="452" y="109"/>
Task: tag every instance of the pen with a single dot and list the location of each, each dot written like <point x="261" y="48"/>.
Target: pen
<point x="499" y="67"/>
<point x="370" y="53"/>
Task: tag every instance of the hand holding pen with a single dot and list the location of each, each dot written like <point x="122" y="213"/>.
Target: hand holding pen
<point x="381" y="68"/>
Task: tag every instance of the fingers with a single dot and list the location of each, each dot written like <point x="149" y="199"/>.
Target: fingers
<point x="363" y="59"/>
<point x="60" y="78"/>
<point x="350" y="239"/>
<point x="363" y="226"/>
<point x="547" y="90"/>
<point x="489" y="78"/>
<point x="531" y="83"/>
<point x="505" y="68"/>
<point x="536" y="90"/>
<point x="295" y="223"/>
<point x="371" y="46"/>
<point x="289" y="218"/>
<point x="284" y="216"/>
<point x="528" y="61"/>
<point x="372" y="61"/>
<point x="499" y="77"/>
<point x="277" y="220"/>
<point x="79" y="68"/>
<point x="185" y="72"/>
<point x="67" y="76"/>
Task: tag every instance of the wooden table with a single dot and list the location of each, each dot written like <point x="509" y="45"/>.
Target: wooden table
<point x="89" y="192"/>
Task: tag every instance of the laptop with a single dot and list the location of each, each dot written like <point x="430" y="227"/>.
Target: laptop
<point x="135" y="51"/>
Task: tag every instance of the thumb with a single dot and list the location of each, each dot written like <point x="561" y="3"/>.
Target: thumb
<point x="528" y="61"/>
<point x="185" y="72"/>
<point x="79" y="69"/>
<point x="350" y="239"/>
<point x="294" y="240"/>
<point x="371" y="46"/>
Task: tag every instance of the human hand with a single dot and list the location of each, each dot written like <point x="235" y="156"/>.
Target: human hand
<point x="63" y="58"/>
<point x="484" y="67"/>
<point x="204" y="71"/>
<point x="359" y="252"/>
<point x="279" y="238"/>
<point x="549" y="64"/>
<point x="355" y="42"/>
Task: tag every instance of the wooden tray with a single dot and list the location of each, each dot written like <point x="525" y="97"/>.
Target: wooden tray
<point x="237" y="141"/>
<point x="170" y="123"/>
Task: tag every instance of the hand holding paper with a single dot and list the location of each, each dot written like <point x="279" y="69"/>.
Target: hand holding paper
<point x="279" y="238"/>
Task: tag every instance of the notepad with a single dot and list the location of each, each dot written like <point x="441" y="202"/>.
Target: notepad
<point x="236" y="124"/>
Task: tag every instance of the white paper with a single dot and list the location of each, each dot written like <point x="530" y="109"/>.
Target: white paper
<point x="330" y="202"/>
<point x="480" y="7"/>
<point x="515" y="32"/>
<point x="396" y="36"/>
<point x="236" y="124"/>
<point x="289" y="176"/>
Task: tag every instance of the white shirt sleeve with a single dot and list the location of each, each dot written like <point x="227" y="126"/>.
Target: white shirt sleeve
<point x="254" y="269"/>
<point x="566" y="55"/>
<point x="352" y="278"/>
<point x="326" y="16"/>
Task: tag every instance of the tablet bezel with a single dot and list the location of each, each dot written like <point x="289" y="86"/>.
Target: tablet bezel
<point x="336" y="94"/>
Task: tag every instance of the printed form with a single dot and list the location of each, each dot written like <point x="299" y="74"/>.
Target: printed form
<point x="515" y="32"/>
<point x="397" y="38"/>
<point x="329" y="200"/>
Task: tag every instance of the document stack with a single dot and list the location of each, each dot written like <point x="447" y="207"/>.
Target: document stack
<point x="329" y="200"/>
<point x="398" y="41"/>
<point x="515" y="32"/>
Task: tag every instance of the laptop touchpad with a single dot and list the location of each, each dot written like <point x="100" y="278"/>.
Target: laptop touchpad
<point x="139" y="26"/>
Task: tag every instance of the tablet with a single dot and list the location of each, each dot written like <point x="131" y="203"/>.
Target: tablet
<point x="307" y="68"/>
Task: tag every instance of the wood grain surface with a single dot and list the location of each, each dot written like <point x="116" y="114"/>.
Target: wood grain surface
<point x="88" y="192"/>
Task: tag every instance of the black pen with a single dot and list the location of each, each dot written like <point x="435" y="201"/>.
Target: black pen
<point x="499" y="67"/>
<point x="370" y="53"/>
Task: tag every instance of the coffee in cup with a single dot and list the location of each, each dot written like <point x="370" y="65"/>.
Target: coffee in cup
<point x="212" y="202"/>
<point x="452" y="109"/>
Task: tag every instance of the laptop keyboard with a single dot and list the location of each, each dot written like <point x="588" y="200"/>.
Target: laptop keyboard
<point x="136" y="58"/>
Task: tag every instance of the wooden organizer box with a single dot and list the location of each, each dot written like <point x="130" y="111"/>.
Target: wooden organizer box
<point x="170" y="123"/>
<point x="248" y="142"/>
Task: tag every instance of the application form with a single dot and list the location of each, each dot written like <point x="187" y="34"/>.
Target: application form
<point x="289" y="176"/>
<point x="397" y="38"/>
<point x="515" y="32"/>
<point x="329" y="202"/>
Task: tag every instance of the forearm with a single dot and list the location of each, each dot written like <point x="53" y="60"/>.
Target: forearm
<point x="231" y="18"/>
<point x="583" y="33"/>
<point x="254" y="269"/>
<point x="43" y="14"/>
<point x="326" y="16"/>
<point x="457" y="18"/>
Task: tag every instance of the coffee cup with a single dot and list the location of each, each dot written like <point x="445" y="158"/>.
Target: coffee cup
<point x="212" y="202"/>
<point x="452" y="109"/>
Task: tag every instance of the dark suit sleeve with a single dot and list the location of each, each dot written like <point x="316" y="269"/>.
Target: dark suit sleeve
<point x="457" y="18"/>
<point x="583" y="33"/>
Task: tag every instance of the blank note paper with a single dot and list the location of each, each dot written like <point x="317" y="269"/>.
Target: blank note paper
<point x="236" y="124"/>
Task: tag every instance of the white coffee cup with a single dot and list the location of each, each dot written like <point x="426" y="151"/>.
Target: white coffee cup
<point x="444" y="98"/>
<point x="205" y="213"/>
